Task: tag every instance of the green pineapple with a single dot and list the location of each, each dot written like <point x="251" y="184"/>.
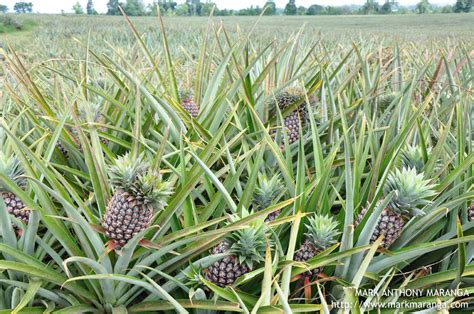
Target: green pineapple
<point x="186" y="97"/>
<point x="10" y="167"/>
<point x="386" y="100"/>
<point x="321" y="234"/>
<point x="138" y="193"/>
<point x="267" y="193"/>
<point x="246" y="247"/>
<point x="295" y="118"/>
<point x="411" y="191"/>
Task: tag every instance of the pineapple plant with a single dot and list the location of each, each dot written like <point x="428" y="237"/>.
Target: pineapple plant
<point x="10" y="167"/>
<point x="321" y="234"/>
<point x="246" y="247"/>
<point x="92" y="112"/>
<point x="186" y="97"/>
<point x="411" y="190"/>
<point x="139" y="192"/>
<point x="87" y="112"/>
<point x="294" y="119"/>
<point x="267" y="193"/>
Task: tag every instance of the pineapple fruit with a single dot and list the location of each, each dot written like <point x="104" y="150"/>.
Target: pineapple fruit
<point x="411" y="191"/>
<point x="470" y="212"/>
<point x="267" y="193"/>
<point x="188" y="103"/>
<point x="246" y="247"/>
<point x="138" y="193"/>
<point x="294" y="119"/>
<point x="321" y="234"/>
<point x="10" y="167"/>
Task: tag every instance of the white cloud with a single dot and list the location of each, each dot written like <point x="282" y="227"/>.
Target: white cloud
<point x="50" y="6"/>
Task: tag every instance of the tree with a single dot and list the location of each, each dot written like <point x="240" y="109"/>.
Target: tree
<point x="388" y="7"/>
<point x="134" y="8"/>
<point x="90" y="8"/>
<point x="423" y="7"/>
<point x="301" y="10"/>
<point x="77" y="8"/>
<point x="23" y="7"/>
<point x="447" y="9"/>
<point x="207" y="8"/>
<point x="195" y="7"/>
<point x="370" y="7"/>
<point x="113" y="7"/>
<point x="463" y="6"/>
<point x="315" y="9"/>
<point x="271" y="8"/>
<point x="290" y="8"/>
<point x="182" y="10"/>
<point x="3" y="8"/>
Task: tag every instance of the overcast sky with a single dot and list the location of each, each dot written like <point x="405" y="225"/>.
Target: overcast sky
<point x="55" y="6"/>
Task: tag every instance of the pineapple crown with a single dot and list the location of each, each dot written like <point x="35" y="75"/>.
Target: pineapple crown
<point x="268" y="191"/>
<point x="249" y="244"/>
<point x="10" y="166"/>
<point x="90" y="111"/>
<point x="411" y="191"/>
<point x="186" y="95"/>
<point x="412" y="157"/>
<point x="137" y="177"/>
<point x="385" y="100"/>
<point x="288" y="97"/>
<point x="322" y="231"/>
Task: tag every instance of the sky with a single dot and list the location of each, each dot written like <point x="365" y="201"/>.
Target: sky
<point x="55" y="6"/>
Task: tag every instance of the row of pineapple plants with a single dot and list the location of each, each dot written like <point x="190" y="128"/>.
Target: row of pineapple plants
<point x="239" y="193"/>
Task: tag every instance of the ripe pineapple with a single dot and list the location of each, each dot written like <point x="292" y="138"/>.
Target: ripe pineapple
<point x="411" y="191"/>
<point x="298" y="116"/>
<point x="268" y="192"/>
<point x="188" y="103"/>
<point x="10" y="167"/>
<point x="246" y="248"/>
<point x="138" y="192"/>
<point x="321" y="234"/>
<point x="470" y="212"/>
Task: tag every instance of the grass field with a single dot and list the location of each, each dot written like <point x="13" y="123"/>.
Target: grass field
<point x="273" y="165"/>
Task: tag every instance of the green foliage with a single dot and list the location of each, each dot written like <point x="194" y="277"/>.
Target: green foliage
<point x="423" y="7"/>
<point x="3" y="8"/>
<point x="348" y="155"/>
<point x="134" y="8"/>
<point x="23" y="7"/>
<point x="290" y="8"/>
<point x="315" y="9"/>
<point x="271" y="8"/>
<point x="113" y="7"/>
<point x="77" y="8"/>
<point x="90" y="8"/>
<point x="463" y="6"/>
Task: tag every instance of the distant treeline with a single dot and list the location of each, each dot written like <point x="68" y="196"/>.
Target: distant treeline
<point x="198" y="8"/>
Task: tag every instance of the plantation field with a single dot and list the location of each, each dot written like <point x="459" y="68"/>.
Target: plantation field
<point x="272" y="165"/>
